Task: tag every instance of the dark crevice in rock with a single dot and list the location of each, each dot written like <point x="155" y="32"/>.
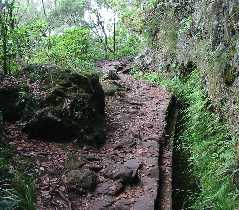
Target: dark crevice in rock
<point x="176" y="185"/>
<point x="164" y="196"/>
<point x="184" y="184"/>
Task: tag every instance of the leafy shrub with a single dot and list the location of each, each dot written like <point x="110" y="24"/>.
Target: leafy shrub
<point x="22" y="42"/>
<point x="27" y="38"/>
<point x="70" y="49"/>
<point x="127" y="43"/>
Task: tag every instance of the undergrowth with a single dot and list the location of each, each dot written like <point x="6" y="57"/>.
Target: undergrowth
<point x="207" y="140"/>
<point x="16" y="186"/>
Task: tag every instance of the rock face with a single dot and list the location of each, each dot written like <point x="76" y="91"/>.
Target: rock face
<point x="201" y="34"/>
<point x="144" y="60"/>
<point x="59" y="106"/>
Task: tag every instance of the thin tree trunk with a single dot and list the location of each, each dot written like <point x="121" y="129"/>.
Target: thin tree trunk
<point x="106" y="46"/>
<point x="49" y="32"/>
<point x="49" y="38"/>
<point x="114" y="38"/>
<point x="43" y="7"/>
<point x="4" y="42"/>
<point x="55" y="3"/>
<point x="11" y="15"/>
<point x="5" y="57"/>
<point x="101" y="25"/>
<point x="13" y="55"/>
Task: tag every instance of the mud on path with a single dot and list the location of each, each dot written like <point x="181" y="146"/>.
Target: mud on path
<point x="127" y="166"/>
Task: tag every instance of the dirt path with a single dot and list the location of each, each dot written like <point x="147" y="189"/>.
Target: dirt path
<point x="127" y="166"/>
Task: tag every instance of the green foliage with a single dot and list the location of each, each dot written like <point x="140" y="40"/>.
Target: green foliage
<point x="78" y="48"/>
<point x="132" y="13"/>
<point x="206" y="138"/>
<point x="27" y="38"/>
<point x="127" y="43"/>
<point x="21" y="42"/>
<point x="72" y="49"/>
<point x="68" y="12"/>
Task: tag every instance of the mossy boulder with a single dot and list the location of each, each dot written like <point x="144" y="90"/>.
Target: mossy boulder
<point x="73" y="110"/>
<point x="83" y="180"/>
<point x="62" y="106"/>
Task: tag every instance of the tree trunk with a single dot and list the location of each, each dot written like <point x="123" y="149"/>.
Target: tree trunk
<point x="114" y="38"/>
<point x="7" y="25"/>
<point x="3" y="28"/>
<point x="5" y="57"/>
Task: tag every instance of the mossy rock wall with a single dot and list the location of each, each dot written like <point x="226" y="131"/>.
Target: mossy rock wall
<point x="204" y="33"/>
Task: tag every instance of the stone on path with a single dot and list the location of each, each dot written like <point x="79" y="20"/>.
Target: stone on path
<point x="83" y="180"/>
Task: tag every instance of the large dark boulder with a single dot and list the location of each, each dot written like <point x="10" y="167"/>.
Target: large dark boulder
<point x="73" y="110"/>
<point x="56" y="106"/>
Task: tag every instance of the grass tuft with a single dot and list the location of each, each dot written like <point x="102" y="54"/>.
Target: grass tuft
<point x="16" y="188"/>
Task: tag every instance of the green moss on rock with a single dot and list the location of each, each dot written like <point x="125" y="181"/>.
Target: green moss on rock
<point x="68" y="107"/>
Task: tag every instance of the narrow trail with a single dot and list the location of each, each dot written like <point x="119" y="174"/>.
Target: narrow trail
<point x="129" y="166"/>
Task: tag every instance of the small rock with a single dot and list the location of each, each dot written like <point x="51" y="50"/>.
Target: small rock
<point x="112" y="170"/>
<point x="110" y="188"/>
<point x="110" y="88"/>
<point x="101" y="204"/>
<point x="122" y="204"/>
<point x="96" y="167"/>
<point x="91" y="157"/>
<point x="134" y="165"/>
<point x="74" y="161"/>
<point x="113" y="75"/>
<point x="127" y="173"/>
<point x="83" y="179"/>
